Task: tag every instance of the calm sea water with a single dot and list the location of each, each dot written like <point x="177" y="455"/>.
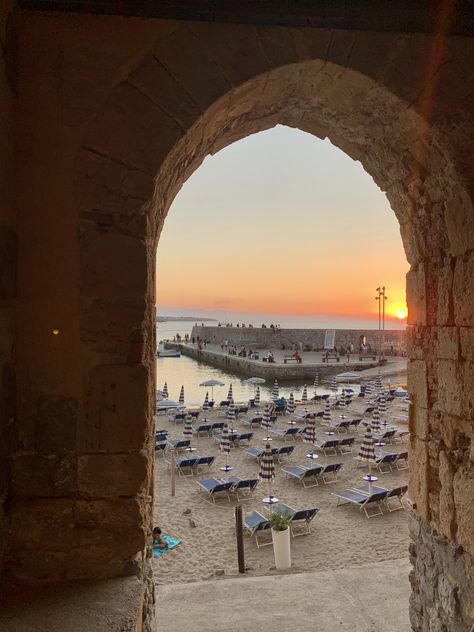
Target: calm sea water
<point x="190" y="373"/>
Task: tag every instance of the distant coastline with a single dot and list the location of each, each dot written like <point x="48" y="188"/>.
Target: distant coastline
<point x="196" y="319"/>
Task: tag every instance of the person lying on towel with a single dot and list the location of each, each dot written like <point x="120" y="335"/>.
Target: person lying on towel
<point x="158" y="541"/>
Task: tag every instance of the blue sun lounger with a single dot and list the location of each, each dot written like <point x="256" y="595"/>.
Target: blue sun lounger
<point x="330" y="472"/>
<point x="253" y="421"/>
<point x="370" y="504"/>
<point x="213" y="487"/>
<point x="185" y="466"/>
<point x="257" y="453"/>
<point x="301" y="519"/>
<point x="255" y="524"/>
<point x="242" y="486"/>
<point x="202" y="429"/>
<point x="286" y="433"/>
<point x="307" y="476"/>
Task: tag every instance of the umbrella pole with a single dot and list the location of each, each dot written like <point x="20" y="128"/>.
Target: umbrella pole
<point x="370" y="478"/>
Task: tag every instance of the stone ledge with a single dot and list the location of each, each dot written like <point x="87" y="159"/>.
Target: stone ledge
<point x="115" y="605"/>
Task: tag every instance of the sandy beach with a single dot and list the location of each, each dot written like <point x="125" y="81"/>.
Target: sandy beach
<point x="341" y="536"/>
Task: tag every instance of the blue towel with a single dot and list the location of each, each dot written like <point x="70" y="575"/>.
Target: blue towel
<point x="172" y="542"/>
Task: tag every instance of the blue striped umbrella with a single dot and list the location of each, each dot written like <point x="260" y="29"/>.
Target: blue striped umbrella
<point x="316" y="380"/>
<point x="333" y="386"/>
<point x="188" y="428"/>
<point x="230" y="394"/>
<point x="367" y="452"/>
<point x="181" y="395"/>
<point x="378" y="380"/>
<point x="205" y="406"/>
<point x="256" y="400"/>
<point x="231" y="413"/>
<point x="267" y="469"/>
<point x="266" y="420"/>
<point x="290" y="407"/>
<point x="327" y="412"/>
<point x="224" y="446"/>
<point x="375" y="423"/>
<point x="310" y="431"/>
<point x="165" y="391"/>
<point x="304" y="397"/>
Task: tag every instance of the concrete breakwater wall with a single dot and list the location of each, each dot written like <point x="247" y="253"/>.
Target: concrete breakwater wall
<point x="245" y="366"/>
<point x="303" y="339"/>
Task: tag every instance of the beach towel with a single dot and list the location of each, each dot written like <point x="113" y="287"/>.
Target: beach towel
<point x="172" y="542"/>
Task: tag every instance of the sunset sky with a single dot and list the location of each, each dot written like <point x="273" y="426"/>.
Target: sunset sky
<point x="280" y="223"/>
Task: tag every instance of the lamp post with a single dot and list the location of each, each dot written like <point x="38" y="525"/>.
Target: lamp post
<point x="381" y="298"/>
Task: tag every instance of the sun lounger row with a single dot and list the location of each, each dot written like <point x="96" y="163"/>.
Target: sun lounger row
<point x="309" y="475"/>
<point x="278" y="453"/>
<point x="188" y="466"/>
<point x="335" y="446"/>
<point x="301" y="521"/>
<point x="215" y="488"/>
<point x="374" y="501"/>
<point x="182" y="416"/>
<point x="235" y="439"/>
<point x="388" y="461"/>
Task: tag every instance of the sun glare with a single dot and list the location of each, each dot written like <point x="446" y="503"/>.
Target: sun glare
<point x="402" y="314"/>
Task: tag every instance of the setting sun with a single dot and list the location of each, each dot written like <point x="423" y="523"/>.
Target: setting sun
<point x="402" y="314"/>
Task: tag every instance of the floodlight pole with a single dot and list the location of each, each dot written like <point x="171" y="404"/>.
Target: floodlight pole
<point x="383" y="320"/>
<point x="377" y="298"/>
<point x="381" y="298"/>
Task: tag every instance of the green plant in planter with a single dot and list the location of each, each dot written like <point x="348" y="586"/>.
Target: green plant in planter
<point x="279" y="521"/>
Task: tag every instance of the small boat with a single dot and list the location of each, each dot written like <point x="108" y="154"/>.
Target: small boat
<point x="168" y="353"/>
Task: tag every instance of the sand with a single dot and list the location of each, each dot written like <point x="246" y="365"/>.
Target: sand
<point x="341" y="536"/>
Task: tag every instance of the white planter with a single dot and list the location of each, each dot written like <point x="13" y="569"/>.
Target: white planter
<point x="282" y="549"/>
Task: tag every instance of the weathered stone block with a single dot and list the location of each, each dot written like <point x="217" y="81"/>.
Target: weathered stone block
<point x="463" y="486"/>
<point x="146" y="135"/>
<point x="445" y="296"/>
<point x="448" y="343"/>
<point x="418" y="422"/>
<point x="42" y="476"/>
<point x="122" y="273"/>
<point x="418" y="487"/>
<point x="105" y="475"/>
<point x="55" y="424"/>
<point x="416" y="295"/>
<point x="118" y="416"/>
<point x="463" y="292"/>
<point x="417" y="381"/>
<point x="466" y="335"/>
<point x="450" y="384"/>
<point x="447" y="518"/>
<point x="459" y="217"/>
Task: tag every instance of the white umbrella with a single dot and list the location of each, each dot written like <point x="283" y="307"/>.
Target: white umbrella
<point x="254" y="380"/>
<point x="348" y="376"/>
<point x="167" y="404"/>
<point x="210" y="384"/>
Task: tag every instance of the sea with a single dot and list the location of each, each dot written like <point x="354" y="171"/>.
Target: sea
<point x="190" y="373"/>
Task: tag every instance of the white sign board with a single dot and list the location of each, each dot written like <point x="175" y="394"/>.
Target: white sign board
<point x="330" y="339"/>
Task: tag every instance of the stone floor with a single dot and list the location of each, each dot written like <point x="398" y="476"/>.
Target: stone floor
<point x="369" y="598"/>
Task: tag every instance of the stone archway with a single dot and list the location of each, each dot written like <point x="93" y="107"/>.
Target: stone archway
<point x="199" y="88"/>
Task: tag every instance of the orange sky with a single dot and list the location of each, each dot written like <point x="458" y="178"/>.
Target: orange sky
<point x="281" y="223"/>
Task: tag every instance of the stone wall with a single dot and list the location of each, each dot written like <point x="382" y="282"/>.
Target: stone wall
<point x="8" y="253"/>
<point x="308" y="339"/>
<point x="113" y="116"/>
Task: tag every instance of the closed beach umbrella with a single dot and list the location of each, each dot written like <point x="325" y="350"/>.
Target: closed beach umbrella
<point x="375" y="423"/>
<point x="369" y="390"/>
<point x="181" y="395"/>
<point x="310" y="431"/>
<point x="230" y="394"/>
<point x="257" y="397"/>
<point x="266" y="420"/>
<point x="267" y="469"/>
<point x="367" y="452"/>
<point x="290" y="407"/>
<point x="383" y="407"/>
<point x="224" y="447"/>
<point x="188" y="428"/>
<point x="231" y="413"/>
<point x="275" y="394"/>
<point x="378" y="381"/>
<point x="304" y="397"/>
<point x="316" y="380"/>
<point x="333" y="386"/>
<point x="327" y="412"/>
<point x="205" y="406"/>
<point x="165" y="391"/>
